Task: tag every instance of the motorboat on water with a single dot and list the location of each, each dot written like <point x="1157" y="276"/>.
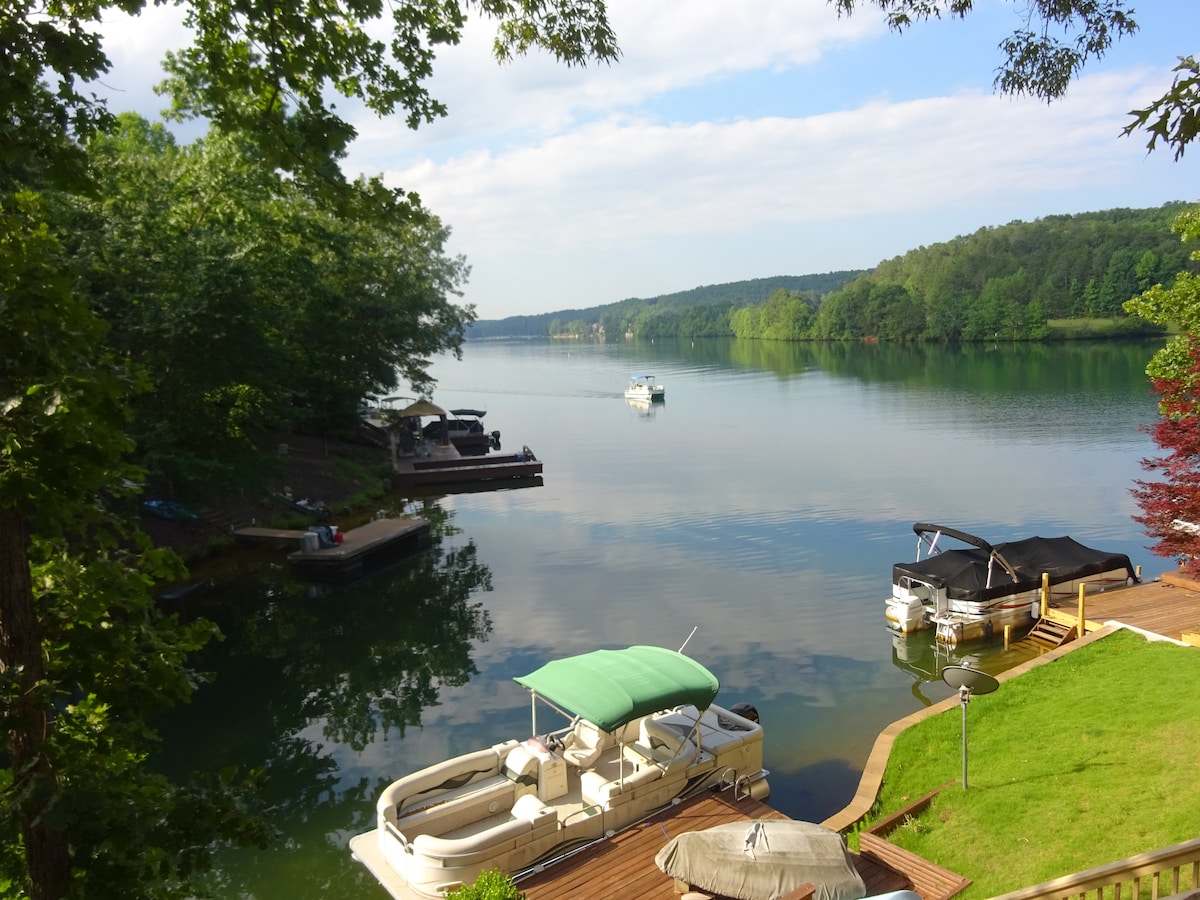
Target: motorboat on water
<point x="642" y="387"/>
<point x="641" y="732"/>
<point x="972" y="592"/>
<point x="464" y="429"/>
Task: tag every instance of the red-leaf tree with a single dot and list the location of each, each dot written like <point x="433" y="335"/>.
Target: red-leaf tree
<point x="1171" y="506"/>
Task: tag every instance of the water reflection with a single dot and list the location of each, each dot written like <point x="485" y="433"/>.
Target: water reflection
<point x="310" y="676"/>
<point x="645" y="410"/>
<point x="924" y="658"/>
<point x="767" y="508"/>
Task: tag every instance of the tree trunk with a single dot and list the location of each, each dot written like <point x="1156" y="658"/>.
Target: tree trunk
<point x="46" y="858"/>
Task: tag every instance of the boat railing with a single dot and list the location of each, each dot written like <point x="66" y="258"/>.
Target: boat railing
<point x="1168" y="871"/>
<point x="727" y="779"/>
<point x="589" y="810"/>
<point x="570" y="848"/>
<point x="392" y="829"/>
<point x="742" y="783"/>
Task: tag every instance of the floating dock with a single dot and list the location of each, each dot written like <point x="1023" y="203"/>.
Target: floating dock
<point x="376" y="542"/>
<point x="444" y="465"/>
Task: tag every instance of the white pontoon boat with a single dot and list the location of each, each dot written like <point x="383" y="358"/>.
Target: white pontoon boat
<point x="641" y="731"/>
<point x="642" y="387"/>
<point x="971" y="593"/>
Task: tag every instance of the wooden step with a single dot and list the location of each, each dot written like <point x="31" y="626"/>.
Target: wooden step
<point x="1048" y="633"/>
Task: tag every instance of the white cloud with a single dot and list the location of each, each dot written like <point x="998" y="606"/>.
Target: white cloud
<point x="624" y="184"/>
<point x="736" y="140"/>
<point x="137" y="45"/>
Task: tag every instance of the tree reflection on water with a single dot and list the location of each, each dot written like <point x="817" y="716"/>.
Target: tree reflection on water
<point x="308" y="676"/>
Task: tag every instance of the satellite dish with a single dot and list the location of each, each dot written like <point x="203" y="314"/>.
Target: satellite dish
<point x="974" y="681"/>
<point x="967" y="681"/>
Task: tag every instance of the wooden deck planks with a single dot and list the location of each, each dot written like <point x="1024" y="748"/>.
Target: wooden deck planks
<point x="379" y="537"/>
<point x="623" y="866"/>
<point x="1168" y="606"/>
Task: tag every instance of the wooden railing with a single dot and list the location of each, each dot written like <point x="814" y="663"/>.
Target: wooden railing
<point x="1173" y="870"/>
<point x="931" y="881"/>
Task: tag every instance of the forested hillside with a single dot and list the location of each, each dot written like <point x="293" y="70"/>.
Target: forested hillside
<point x="701" y="311"/>
<point x="1006" y="282"/>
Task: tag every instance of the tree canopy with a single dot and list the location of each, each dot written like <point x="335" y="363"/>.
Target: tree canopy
<point x="1005" y="282"/>
<point x="1170" y="506"/>
<point x="1053" y="45"/>
<point x="252" y="307"/>
<point x="162" y="301"/>
<point x="699" y="312"/>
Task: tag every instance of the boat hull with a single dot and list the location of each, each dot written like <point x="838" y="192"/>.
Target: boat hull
<point x="643" y="387"/>
<point x="916" y="608"/>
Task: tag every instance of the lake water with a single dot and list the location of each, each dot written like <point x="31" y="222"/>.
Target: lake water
<point x="763" y="505"/>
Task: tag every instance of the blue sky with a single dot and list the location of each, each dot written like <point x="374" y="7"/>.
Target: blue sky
<point x="741" y="139"/>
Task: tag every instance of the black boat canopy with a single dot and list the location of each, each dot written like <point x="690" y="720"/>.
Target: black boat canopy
<point x="964" y="573"/>
<point x="477" y="413"/>
<point x="924" y="528"/>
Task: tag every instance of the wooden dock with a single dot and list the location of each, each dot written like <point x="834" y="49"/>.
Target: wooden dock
<point x="269" y="538"/>
<point x="360" y="547"/>
<point x="1168" y="606"/>
<point x="444" y="465"/>
<point x="623" y="866"/>
<point x="383" y="539"/>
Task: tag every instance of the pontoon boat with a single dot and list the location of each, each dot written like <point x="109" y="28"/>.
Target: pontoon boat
<point x="642" y="387"/>
<point x="642" y="731"/>
<point x="976" y="591"/>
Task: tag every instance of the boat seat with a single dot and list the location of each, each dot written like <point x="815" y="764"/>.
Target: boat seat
<point x="466" y="774"/>
<point x="484" y="799"/>
<point x="521" y="768"/>
<point x="528" y="819"/>
<point x="667" y="743"/>
<point x="598" y="789"/>
<point x="585" y="743"/>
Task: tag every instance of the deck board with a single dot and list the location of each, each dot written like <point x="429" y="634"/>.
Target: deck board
<point x="623" y="866"/>
<point x="1168" y="606"/>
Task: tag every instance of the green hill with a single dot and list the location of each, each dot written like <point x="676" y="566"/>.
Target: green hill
<point x="701" y="305"/>
<point x="1007" y="282"/>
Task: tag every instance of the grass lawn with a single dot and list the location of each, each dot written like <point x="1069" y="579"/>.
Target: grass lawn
<point x="1083" y="761"/>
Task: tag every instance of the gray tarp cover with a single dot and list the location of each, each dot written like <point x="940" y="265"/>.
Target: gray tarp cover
<point x="786" y="854"/>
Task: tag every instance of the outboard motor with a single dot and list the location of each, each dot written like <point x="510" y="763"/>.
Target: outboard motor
<point x="745" y="710"/>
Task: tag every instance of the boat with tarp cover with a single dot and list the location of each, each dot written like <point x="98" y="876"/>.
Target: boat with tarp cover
<point x="632" y="731"/>
<point x="971" y="592"/>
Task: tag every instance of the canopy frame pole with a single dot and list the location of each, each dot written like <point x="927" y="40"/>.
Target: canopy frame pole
<point x="695" y="628"/>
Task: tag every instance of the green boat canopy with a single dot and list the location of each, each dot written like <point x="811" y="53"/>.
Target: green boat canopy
<point x="612" y="687"/>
